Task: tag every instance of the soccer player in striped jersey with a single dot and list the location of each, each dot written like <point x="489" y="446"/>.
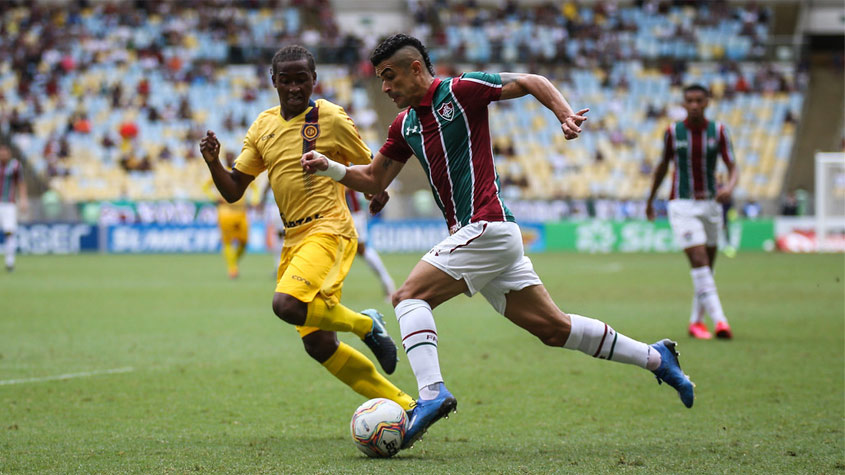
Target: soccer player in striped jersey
<point x="443" y="122"/>
<point x="320" y="240"/>
<point x="371" y="257"/>
<point x="12" y="194"/>
<point x="695" y="205"/>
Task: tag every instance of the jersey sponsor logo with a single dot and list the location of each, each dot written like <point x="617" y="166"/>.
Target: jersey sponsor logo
<point x="310" y="131"/>
<point x="298" y="222"/>
<point x="268" y="136"/>
<point x="301" y="279"/>
<point x="446" y="110"/>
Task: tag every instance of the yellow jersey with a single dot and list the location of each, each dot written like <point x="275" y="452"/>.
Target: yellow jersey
<point x="308" y="204"/>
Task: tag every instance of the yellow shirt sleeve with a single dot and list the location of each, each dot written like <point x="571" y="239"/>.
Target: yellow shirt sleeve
<point x="250" y="160"/>
<point x="350" y="146"/>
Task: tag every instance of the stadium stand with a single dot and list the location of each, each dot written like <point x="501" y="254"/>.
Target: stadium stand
<point x="115" y="110"/>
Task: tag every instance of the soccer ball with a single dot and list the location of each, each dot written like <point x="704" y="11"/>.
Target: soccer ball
<point x="378" y="427"/>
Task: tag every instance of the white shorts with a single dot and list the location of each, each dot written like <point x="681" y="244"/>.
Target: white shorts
<point x="360" y="219"/>
<point x="695" y="222"/>
<point x="489" y="257"/>
<point x="8" y="217"/>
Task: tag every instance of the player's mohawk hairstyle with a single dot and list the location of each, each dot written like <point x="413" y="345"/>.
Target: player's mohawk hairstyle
<point x="293" y="53"/>
<point x="392" y="44"/>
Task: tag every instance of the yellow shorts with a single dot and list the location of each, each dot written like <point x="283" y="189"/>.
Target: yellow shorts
<point x="233" y="225"/>
<point x="317" y="265"/>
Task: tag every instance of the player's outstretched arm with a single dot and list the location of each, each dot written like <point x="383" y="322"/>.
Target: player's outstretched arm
<point x="517" y="85"/>
<point x="372" y="178"/>
<point x="231" y="184"/>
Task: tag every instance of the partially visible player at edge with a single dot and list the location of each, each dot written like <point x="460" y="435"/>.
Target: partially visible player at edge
<point x="12" y="194"/>
<point x="371" y="257"/>
<point x="320" y="239"/>
<point x="444" y="123"/>
<point x="232" y="221"/>
<point x="695" y="206"/>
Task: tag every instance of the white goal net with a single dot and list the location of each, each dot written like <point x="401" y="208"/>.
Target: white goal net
<point x="830" y="202"/>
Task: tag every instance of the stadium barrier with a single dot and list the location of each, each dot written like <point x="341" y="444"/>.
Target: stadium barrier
<point x="409" y="236"/>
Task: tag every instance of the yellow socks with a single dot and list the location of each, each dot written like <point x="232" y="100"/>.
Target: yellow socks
<point x="231" y="257"/>
<point x="359" y="373"/>
<point x="337" y="318"/>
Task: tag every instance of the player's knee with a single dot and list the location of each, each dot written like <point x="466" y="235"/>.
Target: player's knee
<point x="320" y="345"/>
<point x="289" y="309"/>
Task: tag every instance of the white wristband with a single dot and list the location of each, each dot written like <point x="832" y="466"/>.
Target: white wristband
<point x="336" y="171"/>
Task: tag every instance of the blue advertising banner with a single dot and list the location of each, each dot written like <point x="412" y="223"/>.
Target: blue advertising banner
<point x="167" y="238"/>
<point x="56" y="238"/>
<point x="422" y="235"/>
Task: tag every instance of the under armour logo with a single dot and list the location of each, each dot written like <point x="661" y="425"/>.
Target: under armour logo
<point x="412" y="130"/>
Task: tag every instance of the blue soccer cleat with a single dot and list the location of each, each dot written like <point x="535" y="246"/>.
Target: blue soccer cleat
<point x="670" y="371"/>
<point x="426" y="413"/>
<point x="379" y="341"/>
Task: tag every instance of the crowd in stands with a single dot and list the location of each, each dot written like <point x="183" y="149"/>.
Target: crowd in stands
<point x="109" y="100"/>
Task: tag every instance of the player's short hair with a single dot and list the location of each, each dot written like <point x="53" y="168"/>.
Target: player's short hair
<point x="697" y="87"/>
<point x="389" y="46"/>
<point x="293" y="53"/>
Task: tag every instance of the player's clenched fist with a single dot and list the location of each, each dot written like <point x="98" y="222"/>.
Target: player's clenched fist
<point x="210" y="147"/>
<point x="313" y="161"/>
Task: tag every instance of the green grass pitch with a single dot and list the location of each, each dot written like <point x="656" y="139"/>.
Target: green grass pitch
<point x="204" y="378"/>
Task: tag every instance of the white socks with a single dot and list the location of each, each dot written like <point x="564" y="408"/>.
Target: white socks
<point x="705" y="292"/>
<point x="375" y="263"/>
<point x="419" y="338"/>
<point x="10" y="245"/>
<point x="599" y="340"/>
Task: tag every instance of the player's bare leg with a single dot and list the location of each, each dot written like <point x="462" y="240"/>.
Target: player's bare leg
<point x="533" y="309"/>
<point x="700" y="259"/>
<point x="425" y="289"/>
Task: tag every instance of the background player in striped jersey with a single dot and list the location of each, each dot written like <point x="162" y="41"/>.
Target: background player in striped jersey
<point x="12" y="194"/>
<point x="444" y="124"/>
<point x="320" y="239"/>
<point x="695" y="206"/>
<point x="371" y="257"/>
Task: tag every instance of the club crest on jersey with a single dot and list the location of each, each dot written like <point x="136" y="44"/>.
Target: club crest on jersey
<point x="446" y="110"/>
<point x="310" y="131"/>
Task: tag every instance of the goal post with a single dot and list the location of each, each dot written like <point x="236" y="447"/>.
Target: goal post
<point x="830" y="199"/>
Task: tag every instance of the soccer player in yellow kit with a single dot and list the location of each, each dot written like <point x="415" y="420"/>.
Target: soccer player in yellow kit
<point x="320" y="239"/>
<point x="233" y="223"/>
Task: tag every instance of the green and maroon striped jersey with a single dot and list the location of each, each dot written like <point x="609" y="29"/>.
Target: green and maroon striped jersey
<point x="10" y="179"/>
<point x="694" y="151"/>
<point x="449" y="134"/>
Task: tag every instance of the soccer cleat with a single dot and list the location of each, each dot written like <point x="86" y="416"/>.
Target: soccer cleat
<point x="670" y="371"/>
<point x="379" y="341"/>
<point x="700" y="331"/>
<point x="426" y="413"/>
<point x="723" y="330"/>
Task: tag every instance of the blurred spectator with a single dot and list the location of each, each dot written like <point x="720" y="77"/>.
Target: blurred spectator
<point x="790" y="205"/>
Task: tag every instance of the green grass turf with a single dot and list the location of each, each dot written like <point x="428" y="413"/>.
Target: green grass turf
<point x="219" y="384"/>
